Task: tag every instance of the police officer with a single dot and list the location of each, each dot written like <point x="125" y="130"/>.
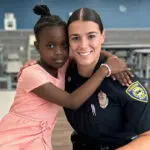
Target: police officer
<point x="114" y="117"/>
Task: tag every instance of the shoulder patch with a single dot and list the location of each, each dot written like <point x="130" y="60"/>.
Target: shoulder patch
<point x="137" y="92"/>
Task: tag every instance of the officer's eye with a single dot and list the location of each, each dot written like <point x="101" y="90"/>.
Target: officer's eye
<point x="51" y="46"/>
<point x="91" y="36"/>
<point x="75" y="38"/>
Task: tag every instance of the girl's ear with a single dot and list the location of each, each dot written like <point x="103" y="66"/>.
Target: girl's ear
<point x="36" y="45"/>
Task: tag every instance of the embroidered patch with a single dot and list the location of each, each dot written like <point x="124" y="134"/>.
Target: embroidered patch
<point x="137" y="92"/>
<point x="103" y="99"/>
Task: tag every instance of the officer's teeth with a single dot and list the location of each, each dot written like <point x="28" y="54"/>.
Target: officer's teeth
<point x="85" y="54"/>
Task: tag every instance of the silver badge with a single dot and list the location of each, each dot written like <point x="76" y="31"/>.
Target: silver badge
<point x="103" y="99"/>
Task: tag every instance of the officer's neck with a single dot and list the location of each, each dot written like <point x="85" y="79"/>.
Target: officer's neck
<point x="86" y="70"/>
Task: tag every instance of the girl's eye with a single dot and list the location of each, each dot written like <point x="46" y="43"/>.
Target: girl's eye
<point x="91" y="36"/>
<point x="50" y="45"/>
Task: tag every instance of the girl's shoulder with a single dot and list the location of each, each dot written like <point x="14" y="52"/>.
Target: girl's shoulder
<point x="31" y="67"/>
<point x="30" y="70"/>
<point x="32" y="77"/>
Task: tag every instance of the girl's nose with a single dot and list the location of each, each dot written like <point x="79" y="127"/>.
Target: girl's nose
<point x="58" y="51"/>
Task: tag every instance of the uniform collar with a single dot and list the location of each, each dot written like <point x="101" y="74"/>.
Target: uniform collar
<point x="100" y="61"/>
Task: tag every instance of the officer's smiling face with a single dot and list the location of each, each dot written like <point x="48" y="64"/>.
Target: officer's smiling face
<point x="85" y="41"/>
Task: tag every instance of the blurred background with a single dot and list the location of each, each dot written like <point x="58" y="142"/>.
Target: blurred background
<point x="127" y="26"/>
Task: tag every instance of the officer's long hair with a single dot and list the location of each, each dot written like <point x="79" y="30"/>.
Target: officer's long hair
<point x="46" y="19"/>
<point x="86" y="14"/>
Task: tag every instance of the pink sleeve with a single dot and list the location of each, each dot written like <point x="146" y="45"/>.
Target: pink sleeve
<point x="32" y="77"/>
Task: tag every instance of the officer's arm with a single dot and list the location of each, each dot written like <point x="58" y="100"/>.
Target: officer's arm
<point x="137" y="116"/>
<point x="140" y="143"/>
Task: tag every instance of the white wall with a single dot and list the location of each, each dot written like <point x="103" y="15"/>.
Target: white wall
<point x="6" y="99"/>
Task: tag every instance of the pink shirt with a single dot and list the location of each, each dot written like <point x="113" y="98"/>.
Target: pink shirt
<point x="31" y="119"/>
<point x="27" y="103"/>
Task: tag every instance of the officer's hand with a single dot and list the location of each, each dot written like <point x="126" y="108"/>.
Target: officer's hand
<point x="123" y="77"/>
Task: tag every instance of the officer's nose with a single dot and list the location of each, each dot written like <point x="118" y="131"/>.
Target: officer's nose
<point x="83" y="43"/>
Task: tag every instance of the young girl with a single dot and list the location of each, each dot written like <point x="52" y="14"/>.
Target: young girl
<point x="31" y="119"/>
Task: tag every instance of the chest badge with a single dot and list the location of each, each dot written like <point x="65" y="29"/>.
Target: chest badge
<point x="102" y="99"/>
<point x="137" y="92"/>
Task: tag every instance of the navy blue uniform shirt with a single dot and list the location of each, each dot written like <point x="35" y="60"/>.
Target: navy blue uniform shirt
<point x="126" y="113"/>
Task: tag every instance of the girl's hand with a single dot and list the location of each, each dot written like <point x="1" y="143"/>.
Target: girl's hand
<point x="116" y="64"/>
<point x="123" y="77"/>
<point x="118" y="68"/>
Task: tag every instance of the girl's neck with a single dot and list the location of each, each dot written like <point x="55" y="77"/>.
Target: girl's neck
<point x="86" y="70"/>
<point x="49" y="69"/>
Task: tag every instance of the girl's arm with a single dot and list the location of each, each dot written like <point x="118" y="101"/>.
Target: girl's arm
<point x="74" y="100"/>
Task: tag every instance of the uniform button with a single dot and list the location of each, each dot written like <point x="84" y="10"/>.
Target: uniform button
<point x="69" y="79"/>
<point x="104" y="148"/>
